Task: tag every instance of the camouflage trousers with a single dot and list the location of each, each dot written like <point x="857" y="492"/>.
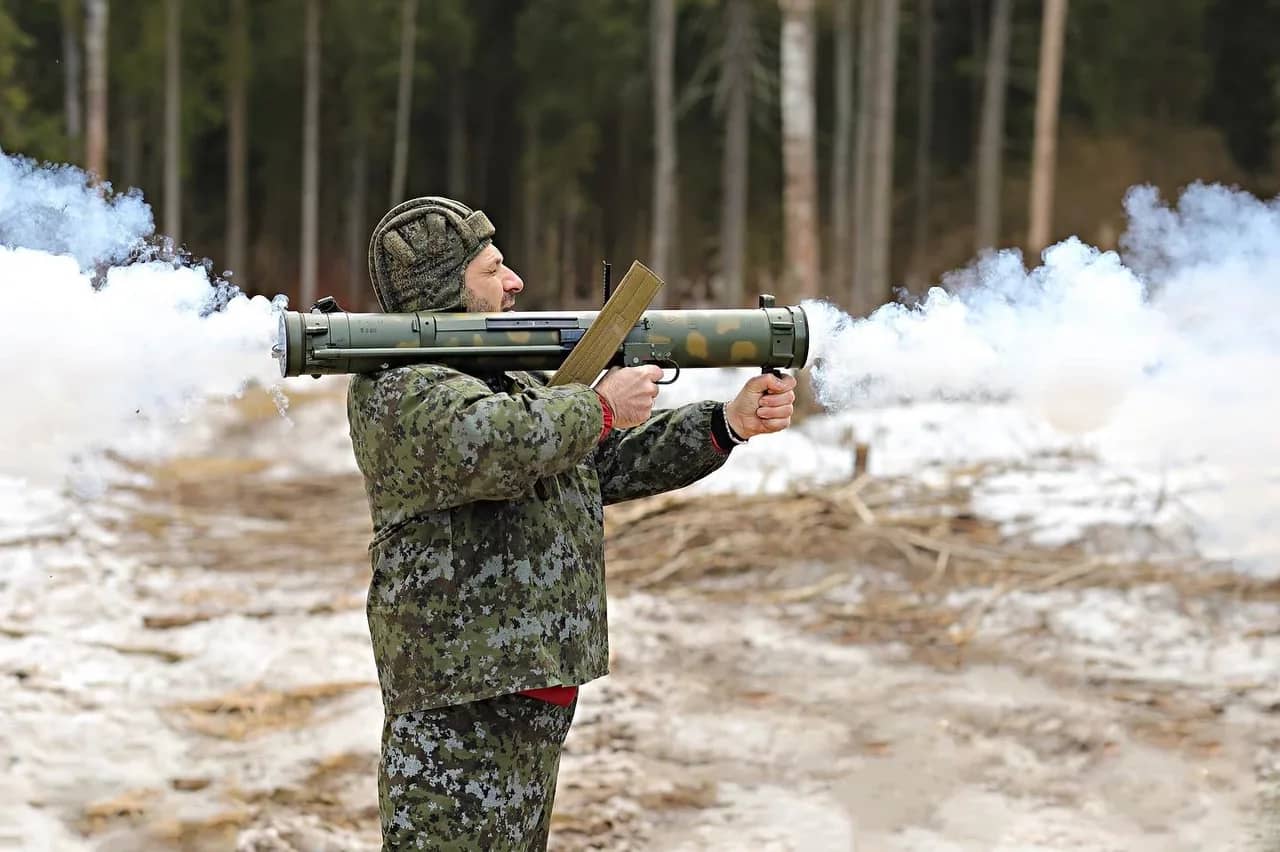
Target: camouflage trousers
<point x="471" y="776"/>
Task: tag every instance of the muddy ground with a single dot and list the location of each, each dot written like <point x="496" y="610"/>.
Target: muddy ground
<point x="871" y="664"/>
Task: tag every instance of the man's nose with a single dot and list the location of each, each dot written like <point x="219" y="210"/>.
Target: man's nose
<point x="513" y="283"/>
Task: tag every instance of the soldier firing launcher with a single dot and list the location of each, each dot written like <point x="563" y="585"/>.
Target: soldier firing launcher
<point x="577" y="344"/>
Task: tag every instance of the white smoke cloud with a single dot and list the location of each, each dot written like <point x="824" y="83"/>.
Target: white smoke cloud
<point x="103" y="340"/>
<point x="1169" y="357"/>
<point x="51" y="209"/>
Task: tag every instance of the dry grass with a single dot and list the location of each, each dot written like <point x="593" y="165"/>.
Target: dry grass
<point x="131" y="805"/>
<point x="255" y="710"/>
<point x="185" y="469"/>
<point x="233" y="521"/>
<point x="891" y="554"/>
<point x="336" y="790"/>
<point x="215" y="832"/>
<point x="695" y="795"/>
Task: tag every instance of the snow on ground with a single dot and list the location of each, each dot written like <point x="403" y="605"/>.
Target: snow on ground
<point x="186" y="664"/>
<point x="1040" y="483"/>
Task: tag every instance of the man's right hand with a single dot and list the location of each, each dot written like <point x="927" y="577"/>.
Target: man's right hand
<point x="630" y="392"/>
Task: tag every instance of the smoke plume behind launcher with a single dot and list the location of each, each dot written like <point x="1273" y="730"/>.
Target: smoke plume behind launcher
<point x="1164" y="355"/>
<point x="1168" y="358"/>
<point x="105" y="339"/>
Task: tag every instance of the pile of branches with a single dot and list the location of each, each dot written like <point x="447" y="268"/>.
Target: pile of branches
<point x="888" y="555"/>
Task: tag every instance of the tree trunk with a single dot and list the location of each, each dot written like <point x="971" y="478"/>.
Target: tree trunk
<point x="860" y="265"/>
<point x="131" y="130"/>
<point x="736" y="84"/>
<point x="71" y="109"/>
<point x="358" y="292"/>
<point x="95" y="88"/>
<point x="457" y="177"/>
<point x="404" y="99"/>
<point x="978" y="36"/>
<point x="1046" y="133"/>
<point x="799" y="152"/>
<point x="173" y="121"/>
<point x="924" y="144"/>
<point x="880" y="196"/>
<point x="310" y="157"/>
<point x="842" y="156"/>
<point x="662" y="58"/>
<point x="568" y="248"/>
<point x="991" y="138"/>
<point x="531" y="202"/>
<point x="480" y="161"/>
<point x="238" y="141"/>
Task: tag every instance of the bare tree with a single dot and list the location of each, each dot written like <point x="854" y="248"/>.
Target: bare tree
<point x="842" y="157"/>
<point x="131" y="141"/>
<point x="404" y="99"/>
<point x="991" y="136"/>
<point x="356" y="145"/>
<point x="862" y="154"/>
<point x="799" y="151"/>
<point x="71" y="108"/>
<point x="238" y="140"/>
<point x="311" y="156"/>
<point x="530" y="198"/>
<point x="663" y="60"/>
<point x="567" y="248"/>
<point x="357" y="239"/>
<point x="173" y="120"/>
<point x="880" y="196"/>
<point x="457" y="177"/>
<point x="924" y="143"/>
<point x="735" y="83"/>
<point x="95" y="87"/>
<point x="1046" y="133"/>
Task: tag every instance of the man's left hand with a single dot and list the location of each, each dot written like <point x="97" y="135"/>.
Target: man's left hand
<point x="765" y="404"/>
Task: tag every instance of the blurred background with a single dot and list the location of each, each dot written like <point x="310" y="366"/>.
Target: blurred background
<point x="815" y="147"/>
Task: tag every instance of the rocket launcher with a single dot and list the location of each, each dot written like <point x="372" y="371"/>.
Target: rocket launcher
<point x="328" y="340"/>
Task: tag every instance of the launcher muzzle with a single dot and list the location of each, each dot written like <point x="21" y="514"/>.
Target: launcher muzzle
<point x="328" y="340"/>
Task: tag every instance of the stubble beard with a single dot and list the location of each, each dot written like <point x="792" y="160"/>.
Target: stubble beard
<point x="472" y="305"/>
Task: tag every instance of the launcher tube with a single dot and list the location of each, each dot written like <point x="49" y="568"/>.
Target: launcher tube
<point x="339" y="342"/>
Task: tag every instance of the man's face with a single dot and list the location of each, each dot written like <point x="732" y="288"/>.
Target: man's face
<point x="490" y="285"/>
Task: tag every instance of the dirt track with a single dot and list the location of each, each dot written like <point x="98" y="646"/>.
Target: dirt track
<point x="187" y="668"/>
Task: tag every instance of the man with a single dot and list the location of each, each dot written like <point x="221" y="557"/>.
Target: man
<point x="487" y="602"/>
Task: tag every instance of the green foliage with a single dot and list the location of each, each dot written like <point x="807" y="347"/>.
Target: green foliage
<point x="573" y="58"/>
<point x="556" y="109"/>
<point x="1134" y="61"/>
<point x="1241" y="95"/>
<point x="26" y="126"/>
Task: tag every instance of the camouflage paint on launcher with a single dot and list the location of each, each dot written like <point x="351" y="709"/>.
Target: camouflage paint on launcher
<point x="337" y="342"/>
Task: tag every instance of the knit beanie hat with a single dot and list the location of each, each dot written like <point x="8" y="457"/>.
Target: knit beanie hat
<point x="419" y="250"/>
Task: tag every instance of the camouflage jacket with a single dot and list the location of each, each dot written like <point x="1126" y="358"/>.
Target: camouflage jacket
<point x="487" y="504"/>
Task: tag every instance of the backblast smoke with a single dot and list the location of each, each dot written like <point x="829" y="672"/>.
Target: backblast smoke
<point x="105" y="337"/>
<point x="1165" y="355"/>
